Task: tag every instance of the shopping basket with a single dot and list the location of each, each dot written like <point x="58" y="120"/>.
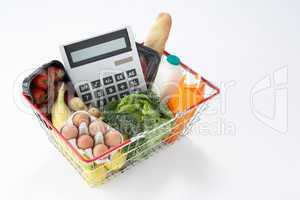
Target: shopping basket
<point x="98" y="170"/>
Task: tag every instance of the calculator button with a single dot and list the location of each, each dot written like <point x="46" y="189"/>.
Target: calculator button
<point x="110" y="90"/>
<point x="131" y="73"/>
<point x="124" y="94"/>
<point x="122" y="86"/>
<point x="113" y="98"/>
<point x="134" y="82"/>
<point x="108" y="80"/>
<point x="95" y="84"/>
<point x="99" y="93"/>
<point x="84" y="87"/>
<point x="119" y="77"/>
<point x="87" y="97"/>
<point x="137" y="90"/>
<point x="101" y="102"/>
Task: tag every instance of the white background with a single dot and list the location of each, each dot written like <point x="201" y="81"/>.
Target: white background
<point x="236" y="42"/>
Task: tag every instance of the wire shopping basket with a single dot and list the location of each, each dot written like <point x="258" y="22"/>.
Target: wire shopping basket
<point x="133" y="150"/>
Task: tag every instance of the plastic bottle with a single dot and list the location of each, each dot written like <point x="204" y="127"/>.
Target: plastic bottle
<point x="190" y="93"/>
<point x="168" y="77"/>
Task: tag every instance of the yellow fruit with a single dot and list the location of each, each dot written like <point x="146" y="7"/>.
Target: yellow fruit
<point x="118" y="160"/>
<point x="60" y="111"/>
<point x="96" y="176"/>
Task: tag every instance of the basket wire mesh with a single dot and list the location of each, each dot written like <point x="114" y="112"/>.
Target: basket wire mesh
<point x="136" y="150"/>
<point x="132" y="151"/>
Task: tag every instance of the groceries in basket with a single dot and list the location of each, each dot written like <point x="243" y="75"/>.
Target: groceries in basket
<point x="113" y="101"/>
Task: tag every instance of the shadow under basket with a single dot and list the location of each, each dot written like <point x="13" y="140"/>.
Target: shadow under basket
<point x="117" y="160"/>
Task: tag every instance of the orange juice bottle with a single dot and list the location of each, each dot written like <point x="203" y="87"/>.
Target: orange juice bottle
<point x="190" y="92"/>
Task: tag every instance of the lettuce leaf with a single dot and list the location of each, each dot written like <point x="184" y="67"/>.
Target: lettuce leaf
<point x="136" y="113"/>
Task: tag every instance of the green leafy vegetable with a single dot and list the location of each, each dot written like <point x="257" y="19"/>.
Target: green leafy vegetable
<point x="137" y="113"/>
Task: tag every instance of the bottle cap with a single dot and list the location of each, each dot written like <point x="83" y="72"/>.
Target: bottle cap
<point x="172" y="59"/>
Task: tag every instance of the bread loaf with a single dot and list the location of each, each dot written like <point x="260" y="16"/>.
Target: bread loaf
<point x="159" y="33"/>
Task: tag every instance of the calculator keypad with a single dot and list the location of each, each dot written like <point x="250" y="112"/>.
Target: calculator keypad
<point x="122" y="86"/>
<point x="131" y="73"/>
<point x="87" y="97"/>
<point x="113" y="98"/>
<point x="124" y="94"/>
<point x="136" y="90"/>
<point x="98" y="92"/>
<point x="119" y="77"/>
<point x="101" y="102"/>
<point x="108" y="80"/>
<point x="110" y="90"/>
<point x="134" y="82"/>
<point x="95" y="84"/>
<point x="84" y="87"/>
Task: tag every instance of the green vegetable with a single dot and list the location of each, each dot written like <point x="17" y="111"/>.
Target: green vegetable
<point x="137" y="113"/>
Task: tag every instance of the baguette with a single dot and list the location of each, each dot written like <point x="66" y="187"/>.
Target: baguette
<point x="159" y="33"/>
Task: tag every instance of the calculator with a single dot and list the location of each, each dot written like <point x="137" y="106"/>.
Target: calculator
<point x="104" y="68"/>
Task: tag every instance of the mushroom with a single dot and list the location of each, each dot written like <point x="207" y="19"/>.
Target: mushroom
<point x="95" y="112"/>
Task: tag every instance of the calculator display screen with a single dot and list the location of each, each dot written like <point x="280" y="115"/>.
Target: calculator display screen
<point x="98" y="50"/>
